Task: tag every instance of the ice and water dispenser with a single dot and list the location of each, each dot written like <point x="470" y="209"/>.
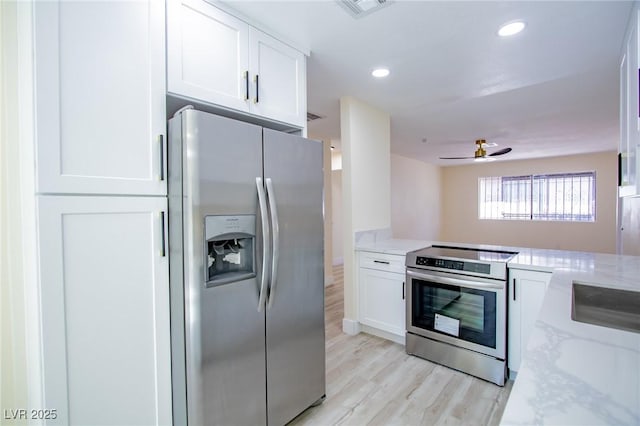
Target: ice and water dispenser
<point x="230" y="242"/>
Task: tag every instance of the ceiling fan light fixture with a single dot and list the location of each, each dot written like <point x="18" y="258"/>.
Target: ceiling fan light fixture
<point x="480" y="153"/>
<point x="483" y="159"/>
<point x="511" y="28"/>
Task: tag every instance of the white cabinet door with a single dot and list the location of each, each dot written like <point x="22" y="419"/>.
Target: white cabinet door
<point x="526" y="294"/>
<point x="105" y="309"/>
<point x="279" y="76"/>
<point x="208" y="54"/>
<point x="100" y="97"/>
<point x="219" y="59"/>
<point x="382" y="303"/>
<point x="629" y="111"/>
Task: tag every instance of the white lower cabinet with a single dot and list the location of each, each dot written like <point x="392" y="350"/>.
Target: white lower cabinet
<point x="526" y="294"/>
<point x="382" y="294"/>
<point x="105" y="309"/>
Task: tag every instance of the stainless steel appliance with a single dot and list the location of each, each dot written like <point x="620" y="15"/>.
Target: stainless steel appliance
<point x="456" y="309"/>
<point x="246" y="270"/>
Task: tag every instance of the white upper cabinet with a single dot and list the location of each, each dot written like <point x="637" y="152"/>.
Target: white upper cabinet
<point x="629" y="149"/>
<point x="216" y="58"/>
<point x="100" y="97"/>
<point x="207" y="51"/>
<point x="279" y="75"/>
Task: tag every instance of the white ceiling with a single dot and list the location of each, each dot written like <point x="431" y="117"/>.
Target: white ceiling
<point x="550" y="90"/>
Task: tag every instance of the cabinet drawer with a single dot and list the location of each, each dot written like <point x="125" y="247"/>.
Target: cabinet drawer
<point x="382" y="262"/>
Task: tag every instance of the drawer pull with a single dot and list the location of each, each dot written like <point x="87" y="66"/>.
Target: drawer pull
<point x="381" y="261"/>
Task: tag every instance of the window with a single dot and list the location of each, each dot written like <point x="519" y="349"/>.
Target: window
<point x="560" y="196"/>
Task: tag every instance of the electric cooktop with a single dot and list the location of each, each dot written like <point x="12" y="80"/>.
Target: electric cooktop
<point x="450" y="252"/>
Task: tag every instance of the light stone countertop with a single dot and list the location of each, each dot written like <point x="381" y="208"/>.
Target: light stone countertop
<point x="571" y="373"/>
<point x="574" y="373"/>
<point x="392" y="246"/>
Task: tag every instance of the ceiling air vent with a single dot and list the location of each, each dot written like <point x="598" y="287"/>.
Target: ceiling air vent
<point x="360" y="8"/>
<point x="311" y="116"/>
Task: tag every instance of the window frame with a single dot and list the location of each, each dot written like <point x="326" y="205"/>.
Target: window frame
<point x="533" y="210"/>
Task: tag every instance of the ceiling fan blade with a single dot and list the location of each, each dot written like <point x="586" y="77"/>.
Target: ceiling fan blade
<point x="500" y="152"/>
<point x="455" y="158"/>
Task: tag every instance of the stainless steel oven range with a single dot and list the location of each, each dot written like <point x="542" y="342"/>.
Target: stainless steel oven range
<point x="456" y="309"/>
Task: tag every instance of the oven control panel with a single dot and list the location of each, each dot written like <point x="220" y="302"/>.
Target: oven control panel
<point x="481" y="268"/>
<point x="440" y="263"/>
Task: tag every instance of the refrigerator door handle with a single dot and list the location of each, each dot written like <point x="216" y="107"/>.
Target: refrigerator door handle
<point x="275" y="239"/>
<point x="265" y="242"/>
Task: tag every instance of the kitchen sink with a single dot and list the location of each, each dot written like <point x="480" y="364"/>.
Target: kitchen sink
<point x="606" y="307"/>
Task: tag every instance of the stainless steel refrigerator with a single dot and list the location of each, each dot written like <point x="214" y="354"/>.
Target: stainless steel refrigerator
<point x="246" y="272"/>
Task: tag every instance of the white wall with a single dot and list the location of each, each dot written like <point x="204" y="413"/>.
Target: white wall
<point x="460" y="221"/>
<point x="415" y="199"/>
<point x="20" y="374"/>
<point x="365" y="135"/>
<point x="327" y="200"/>
<point x="336" y="194"/>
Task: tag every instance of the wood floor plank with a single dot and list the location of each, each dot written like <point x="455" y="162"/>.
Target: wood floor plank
<point x="372" y="381"/>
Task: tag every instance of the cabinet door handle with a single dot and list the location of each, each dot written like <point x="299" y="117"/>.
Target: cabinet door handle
<point x="381" y="261"/>
<point x="257" y="98"/>
<point x="402" y="290"/>
<point x="246" y="84"/>
<point x="163" y="250"/>
<point x="619" y="169"/>
<point x="161" y="157"/>
<point x="514" y="289"/>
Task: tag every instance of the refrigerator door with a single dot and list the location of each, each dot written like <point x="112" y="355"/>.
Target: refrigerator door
<point x="295" y="305"/>
<point x="224" y="333"/>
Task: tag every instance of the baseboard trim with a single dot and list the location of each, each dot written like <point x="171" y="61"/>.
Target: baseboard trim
<point x="350" y="327"/>
<point x="384" y="334"/>
<point x="328" y="280"/>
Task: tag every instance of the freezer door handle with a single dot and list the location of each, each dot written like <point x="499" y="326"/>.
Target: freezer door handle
<point x="262" y="201"/>
<point x="275" y="239"/>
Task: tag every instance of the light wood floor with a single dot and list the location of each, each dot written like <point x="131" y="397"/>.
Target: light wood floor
<point x="372" y="381"/>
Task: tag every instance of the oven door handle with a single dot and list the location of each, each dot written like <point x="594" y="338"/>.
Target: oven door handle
<point x="456" y="281"/>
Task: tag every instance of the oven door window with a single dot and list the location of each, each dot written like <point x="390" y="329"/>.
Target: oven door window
<point x="466" y="313"/>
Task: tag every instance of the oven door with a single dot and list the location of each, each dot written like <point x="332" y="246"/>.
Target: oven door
<point x="469" y="312"/>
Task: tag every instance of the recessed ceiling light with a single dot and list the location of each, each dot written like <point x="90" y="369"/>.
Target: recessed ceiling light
<point x="380" y="72"/>
<point x="511" y="28"/>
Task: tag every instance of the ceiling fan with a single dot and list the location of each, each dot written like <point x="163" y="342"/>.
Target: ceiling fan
<point x="481" y="153"/>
